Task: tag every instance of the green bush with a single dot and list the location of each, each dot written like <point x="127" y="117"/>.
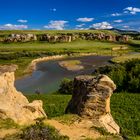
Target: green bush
<point x="66" y="86"/>
<point x="39" y="131"/>
<point x="125" y="75"/>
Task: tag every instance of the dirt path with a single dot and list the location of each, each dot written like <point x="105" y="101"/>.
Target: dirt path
<point x="76" y="131"/>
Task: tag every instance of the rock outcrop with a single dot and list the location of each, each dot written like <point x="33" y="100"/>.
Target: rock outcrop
<point x="67" y="37"/>
<point x="13" y="104"/>
<point x="91" y="100"/>
<point x="56" y="38"/>
<point x="20" y="38"/>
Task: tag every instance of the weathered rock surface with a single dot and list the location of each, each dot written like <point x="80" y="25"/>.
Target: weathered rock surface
<point x="12" y="103"/>
<point x="68" y="37"/>
<point x="91" y="100"/>
<point x="20" y="38"/>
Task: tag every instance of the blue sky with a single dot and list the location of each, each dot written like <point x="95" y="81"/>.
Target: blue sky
<point x="69" y="14"/>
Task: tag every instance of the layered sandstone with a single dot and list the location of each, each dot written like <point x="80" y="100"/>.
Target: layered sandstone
<point x="91" y="100"/>
<point x="20" y="38"/>
<point x="68" y="37"/>
<point x="14" y="104"/>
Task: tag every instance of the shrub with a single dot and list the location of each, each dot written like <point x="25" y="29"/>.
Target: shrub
<point x="125" y="75"/>
<point x="66" y="86"/>
<point x="39" y="131"/>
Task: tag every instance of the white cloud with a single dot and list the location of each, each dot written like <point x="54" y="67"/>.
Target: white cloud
<point x="80" y="25"/>
<point x="13" y="27"/>
<point x="82" y="28"/>
<point x="126" y="26"/>
<point x="85" y="19"/>
<point x="53" y="9"/>
<point x="56" y="24"/>
<point x="22" y="21"/>
<point x="116" y="14"/>
<point x="102" y="25"/>
<point x="131" y="10"/>
<point x="118" y="21"/>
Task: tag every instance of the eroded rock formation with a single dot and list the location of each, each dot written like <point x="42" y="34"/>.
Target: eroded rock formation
<point x="20" y="38"/>
<point x="91" y="100"/>
<point x="55" y="38"/>
<point x="12" y="103"/>
<point x="68" y="37"/>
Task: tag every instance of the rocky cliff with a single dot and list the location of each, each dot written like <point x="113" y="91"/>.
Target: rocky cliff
<point x="14" y="104"/>
<point x="91" y="100"/>
<point x="68" y="37"/>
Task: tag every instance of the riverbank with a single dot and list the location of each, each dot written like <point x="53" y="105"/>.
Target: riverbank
<point x="33" y="64"/>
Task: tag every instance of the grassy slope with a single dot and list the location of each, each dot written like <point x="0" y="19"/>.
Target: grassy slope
<point x="125" y="109"/>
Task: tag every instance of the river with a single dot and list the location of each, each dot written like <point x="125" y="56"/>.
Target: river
<point x="48" y="75"/>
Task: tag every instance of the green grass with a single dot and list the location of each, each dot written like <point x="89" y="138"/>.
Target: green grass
<point x="7" y="32"/>
<point x="22" y="65"/>
<point x="75" y="46"/>
<point x="54" y="105"/>
<point x="125" y="109"/>
<point x="8" y="124"/>
<point x="123" y="58"/>
<point x="23" y="53"/>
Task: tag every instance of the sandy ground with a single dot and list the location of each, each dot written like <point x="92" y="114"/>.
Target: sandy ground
<point x="76" y="131"/>
<point x="71" y="65"/>
<point x="5" y="132"/>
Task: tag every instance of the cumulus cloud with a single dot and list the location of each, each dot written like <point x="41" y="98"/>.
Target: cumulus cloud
<point x="118" y="21"/>
<point x="82" y="28"/>
<point x="13" y="27"/>
<point x="102" y="25"/>
<point x="80" y="25"/>
<point x="56" y="24"/>
<point x="131" y="10"/>
<point x="22" y="21"/>
<point x="85" y="19"/>
<point x="116" y="14"/>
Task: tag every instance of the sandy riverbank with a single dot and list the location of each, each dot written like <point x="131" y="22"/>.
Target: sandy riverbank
<point x="33" y="64"/>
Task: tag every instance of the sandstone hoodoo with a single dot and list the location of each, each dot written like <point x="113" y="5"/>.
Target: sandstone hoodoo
<point x="13" y="104"/>
<point x="91" y="100"/>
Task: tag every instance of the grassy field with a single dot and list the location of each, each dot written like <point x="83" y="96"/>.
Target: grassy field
<point x="125" y="109"/>
<point x="23" y="53"/>
<point x="7" y="32"/>
<point x="75" y="46"/>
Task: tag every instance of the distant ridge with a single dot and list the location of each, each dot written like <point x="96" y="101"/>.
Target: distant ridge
<point x="120" y="31"/>
<point x="124" y="31"/>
